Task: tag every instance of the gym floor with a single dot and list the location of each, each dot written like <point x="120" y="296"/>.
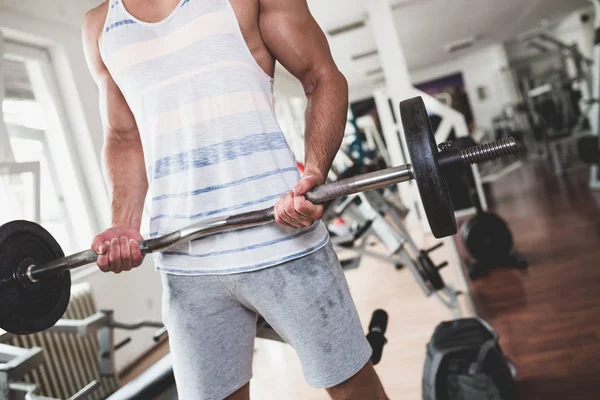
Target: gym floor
<point x="547" y="316"/>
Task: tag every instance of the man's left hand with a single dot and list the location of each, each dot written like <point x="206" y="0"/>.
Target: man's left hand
<point x="294" y="210"/>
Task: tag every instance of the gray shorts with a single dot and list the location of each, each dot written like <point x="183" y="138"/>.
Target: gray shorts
<point x="211" y="321"/>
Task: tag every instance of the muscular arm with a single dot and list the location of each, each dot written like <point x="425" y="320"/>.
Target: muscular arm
<point x="123" y="158"/>
<point x="298" y="43"/>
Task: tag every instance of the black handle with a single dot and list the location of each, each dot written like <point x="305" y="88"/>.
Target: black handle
<point x="117" y="346"/>
<point x="376" y="335"/>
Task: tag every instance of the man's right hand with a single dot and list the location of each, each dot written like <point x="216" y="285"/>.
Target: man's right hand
<point x="118" y="249"/>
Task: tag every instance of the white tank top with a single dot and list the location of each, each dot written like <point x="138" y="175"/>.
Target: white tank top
<point x="212" y="144"/>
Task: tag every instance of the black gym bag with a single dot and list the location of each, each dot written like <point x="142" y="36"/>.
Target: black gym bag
<point x="464" y="362"/>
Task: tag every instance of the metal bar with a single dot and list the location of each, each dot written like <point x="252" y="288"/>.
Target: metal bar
<point x="19" y="361"/>
<point x="86" y="391"/>
<point x="105" y="351"/>
<point x="137" y="325"/>
<point x="318" y="195"/>
<point x="157" y="337"/>
<point x="81" y="327"/>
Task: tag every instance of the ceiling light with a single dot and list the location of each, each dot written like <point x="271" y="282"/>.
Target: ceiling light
<point x="346" y="28"/>
<point x="375" y="71"/>
<point x="366" y="54"/>
<point x="460" y="44"/>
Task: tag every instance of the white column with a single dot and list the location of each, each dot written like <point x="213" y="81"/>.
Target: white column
<point x="392" y="57"/>
<point x="398" y="88"/>
<point x="393" y="62"/>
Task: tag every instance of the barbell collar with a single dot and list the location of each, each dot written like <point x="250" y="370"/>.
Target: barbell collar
<point x="478" y="154"/>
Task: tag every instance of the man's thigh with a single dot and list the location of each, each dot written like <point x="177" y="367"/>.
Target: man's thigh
<point x="308" y="302"/>
<point x="211" y="337"/>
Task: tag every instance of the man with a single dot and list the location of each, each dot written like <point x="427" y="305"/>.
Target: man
<point x="186" y="99"/>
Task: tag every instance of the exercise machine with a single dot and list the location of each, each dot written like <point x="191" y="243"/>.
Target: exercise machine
<point x="74" y="358"/>
<point x="375" y="215"/>
<point x="558" y="102"/>
<point x="487" y="238"/>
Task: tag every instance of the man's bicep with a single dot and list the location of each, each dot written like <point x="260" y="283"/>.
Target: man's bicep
<point x="295" y="39"/>
<point x="115" y="112"/>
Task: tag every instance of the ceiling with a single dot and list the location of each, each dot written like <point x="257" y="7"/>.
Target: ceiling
<point x="425" y="27"/>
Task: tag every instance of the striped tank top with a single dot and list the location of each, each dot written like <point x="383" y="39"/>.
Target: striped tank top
<point x="212" y="144"/>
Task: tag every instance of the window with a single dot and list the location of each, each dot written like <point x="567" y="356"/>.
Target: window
<point x="35" y="134"/>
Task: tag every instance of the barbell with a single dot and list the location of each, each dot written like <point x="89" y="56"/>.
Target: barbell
<point x="35" y="280"/>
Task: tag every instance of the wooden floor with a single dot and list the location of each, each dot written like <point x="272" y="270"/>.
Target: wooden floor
<point x="548" y="317"/>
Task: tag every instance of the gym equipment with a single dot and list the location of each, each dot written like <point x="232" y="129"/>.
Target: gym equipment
<point x="375" y="215"/>
<point x="38" y="305"/>
<point x="34" y="282"/>
<point x="594" y="171"/>
<point x="76" y="356"/>
<point x="376" y="335"/>
<point x="588" y="148"/>
<point x="73" y="359"/>
<point x="487" y="238"/>
<point x="464" y="361"/>
<point x="558" y="100"/>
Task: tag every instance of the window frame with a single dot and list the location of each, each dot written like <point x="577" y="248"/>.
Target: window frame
<point x="77" y="200"/>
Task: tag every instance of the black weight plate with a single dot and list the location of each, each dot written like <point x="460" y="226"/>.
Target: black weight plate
<point x="487" y="237"/>
<point x="423" y="153"/>
<point x="430" y="272"/>
<point x="588" y="148"/>
<point x="23" y="310"/>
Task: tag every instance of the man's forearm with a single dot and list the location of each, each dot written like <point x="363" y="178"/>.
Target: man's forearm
<point x="326" y="115"/>
<point x="125" y="174"/>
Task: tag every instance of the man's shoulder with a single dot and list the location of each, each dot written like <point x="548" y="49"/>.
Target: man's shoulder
<point x="94" y="19"/>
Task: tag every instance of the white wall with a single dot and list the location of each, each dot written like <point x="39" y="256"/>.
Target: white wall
<point x="481" y="67"/>
<point x="572" y="30"/>
<point x="56" y="25"/>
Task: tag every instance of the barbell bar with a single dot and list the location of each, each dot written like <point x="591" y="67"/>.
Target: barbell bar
<point x="319" y="195"/>
<point x="39" y="277"/>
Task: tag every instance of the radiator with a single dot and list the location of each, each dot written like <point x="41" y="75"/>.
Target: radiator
<point x="71" y="361"/>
